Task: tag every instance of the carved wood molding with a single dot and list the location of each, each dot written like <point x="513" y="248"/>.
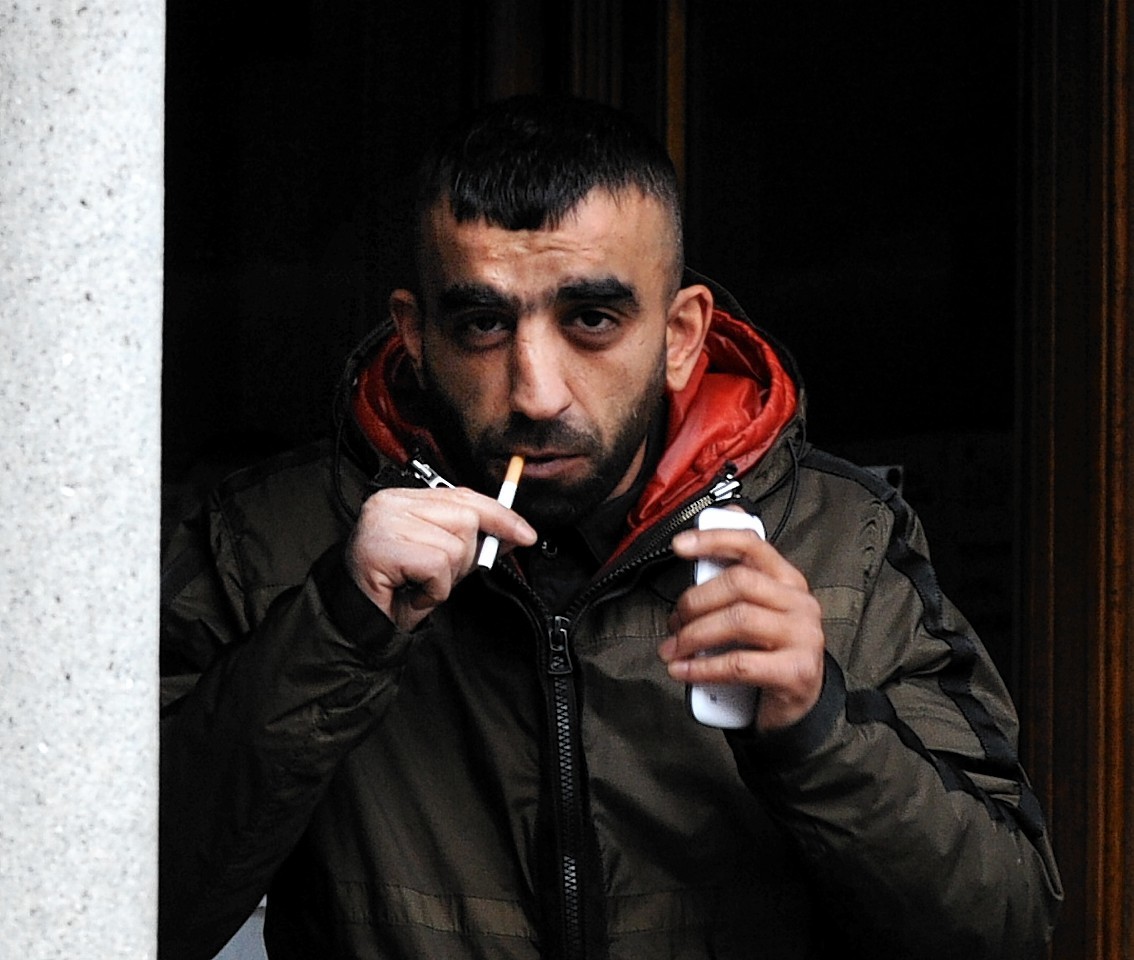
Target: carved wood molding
<point x="1077" y="445"/>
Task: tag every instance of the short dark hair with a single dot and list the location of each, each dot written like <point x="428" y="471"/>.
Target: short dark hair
<point x="525" y="162"/>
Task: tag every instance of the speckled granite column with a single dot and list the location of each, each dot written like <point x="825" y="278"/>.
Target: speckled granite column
<point x="81" y="111"/>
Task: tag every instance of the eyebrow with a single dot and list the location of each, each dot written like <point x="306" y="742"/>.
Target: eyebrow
<point x="465" y="296"/>
<point x="609" y="291"/>
<point x="606" y="290"/>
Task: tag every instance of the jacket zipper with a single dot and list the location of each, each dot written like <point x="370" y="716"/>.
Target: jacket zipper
<point x="567" y="802"/>
<point x="568" y="805"/>
<point x="724" y="488"/>
<point x="569" y="811"/>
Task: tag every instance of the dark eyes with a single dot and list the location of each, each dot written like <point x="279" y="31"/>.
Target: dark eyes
<point x="479" y="331"/>
<point x="594" y="321"/>
<point x="484" y="324"/>
<point x="483" y="331"/>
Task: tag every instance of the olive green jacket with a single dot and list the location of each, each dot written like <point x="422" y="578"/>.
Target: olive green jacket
<point x="505" y="783"/>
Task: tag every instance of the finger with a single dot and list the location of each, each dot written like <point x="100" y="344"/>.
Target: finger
<point x="777" y="672"/>
<point x="736" y="584"/>
<point x="739" y="546"/>
<point x="411" y="547"/>
<point x="737" y="624"/>
<point x="493" y="518"/>
<point x="725" y="543"/>
<point x="508" y="527"/>
<point x="418" y="538"/>
<point x="430" y="517"/>
<point x="425" y="588"/>
<point x="404" y="540"/>
<point x="770" y="617"/>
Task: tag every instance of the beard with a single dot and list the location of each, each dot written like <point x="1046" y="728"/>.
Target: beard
<point x="545" y="503"/>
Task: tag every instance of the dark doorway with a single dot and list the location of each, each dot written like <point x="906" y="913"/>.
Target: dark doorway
<point x="850" y="176"/>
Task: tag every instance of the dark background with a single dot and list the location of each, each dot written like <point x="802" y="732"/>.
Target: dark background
<point x="851" y="176"/>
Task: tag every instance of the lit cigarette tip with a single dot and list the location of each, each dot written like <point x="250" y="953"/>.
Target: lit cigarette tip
<point x="488" y="549"/>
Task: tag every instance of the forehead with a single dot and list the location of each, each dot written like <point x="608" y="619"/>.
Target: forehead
<point x="627" y="234"/>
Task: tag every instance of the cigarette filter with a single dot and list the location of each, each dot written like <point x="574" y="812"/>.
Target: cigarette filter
<point x="505" y="497"/>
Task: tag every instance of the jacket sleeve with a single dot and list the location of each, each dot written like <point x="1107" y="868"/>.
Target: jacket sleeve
<point x="902" y="788"/>
<point x="258" y="710"/>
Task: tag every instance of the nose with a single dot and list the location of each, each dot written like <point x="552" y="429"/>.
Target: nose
<point x="539" y="389"/>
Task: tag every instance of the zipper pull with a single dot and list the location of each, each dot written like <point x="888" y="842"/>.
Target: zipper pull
<point x="559" y="661"/>
<point x="426" y="474"/>
<point x="724" y="488"/>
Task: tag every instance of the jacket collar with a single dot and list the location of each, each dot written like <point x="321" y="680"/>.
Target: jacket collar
<point x="735" y="405"/>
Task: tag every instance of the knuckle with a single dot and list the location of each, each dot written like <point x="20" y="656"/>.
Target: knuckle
<point x="371" y="506"/>
<point x="683" y="609"/>
<point x="467" y="519"/>
<point x="809" y="616"/>
<point x="736" y="618"/>
<point x="743" y="665"/>
<point x="809" y="670"/>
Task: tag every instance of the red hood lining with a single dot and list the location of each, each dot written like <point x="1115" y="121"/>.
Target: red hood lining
<point x="378" y="414"/>
<point x="735" y="404"/>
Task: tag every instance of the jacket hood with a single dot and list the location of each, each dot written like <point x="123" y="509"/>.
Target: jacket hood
<point x="742" y="393"/>
<point x="738" y="400"/>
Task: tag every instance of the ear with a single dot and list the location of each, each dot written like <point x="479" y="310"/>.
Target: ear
<point x="687" y="325"/>
<point x="406" y="315"/>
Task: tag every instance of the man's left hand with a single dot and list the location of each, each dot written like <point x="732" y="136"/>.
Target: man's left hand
<point x="760" y="607"/>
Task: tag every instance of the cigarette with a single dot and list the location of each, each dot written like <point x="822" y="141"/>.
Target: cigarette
<point x="505" y="497"/>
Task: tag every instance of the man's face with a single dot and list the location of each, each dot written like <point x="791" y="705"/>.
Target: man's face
<point x="547" y="343"/>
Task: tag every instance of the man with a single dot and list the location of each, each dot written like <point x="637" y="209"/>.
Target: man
<point x="416" y="756"/>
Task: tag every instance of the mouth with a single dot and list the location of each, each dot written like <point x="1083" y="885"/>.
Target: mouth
<point x="550" y="464"/>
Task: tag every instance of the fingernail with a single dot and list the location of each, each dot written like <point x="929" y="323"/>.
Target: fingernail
<point x="684" y="539"/>
<point x="678" y="669"/>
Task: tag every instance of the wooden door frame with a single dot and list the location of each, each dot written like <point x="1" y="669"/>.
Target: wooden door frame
<point x="1075" y="457"/>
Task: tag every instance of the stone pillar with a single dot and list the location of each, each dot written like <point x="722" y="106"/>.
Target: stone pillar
<point x="81" y="125"/>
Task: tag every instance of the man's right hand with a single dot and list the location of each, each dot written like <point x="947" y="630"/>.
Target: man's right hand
<point x="411" y="547"/>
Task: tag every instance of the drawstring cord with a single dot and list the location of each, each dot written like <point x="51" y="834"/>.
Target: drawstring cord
<point x="792" y="494"/>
